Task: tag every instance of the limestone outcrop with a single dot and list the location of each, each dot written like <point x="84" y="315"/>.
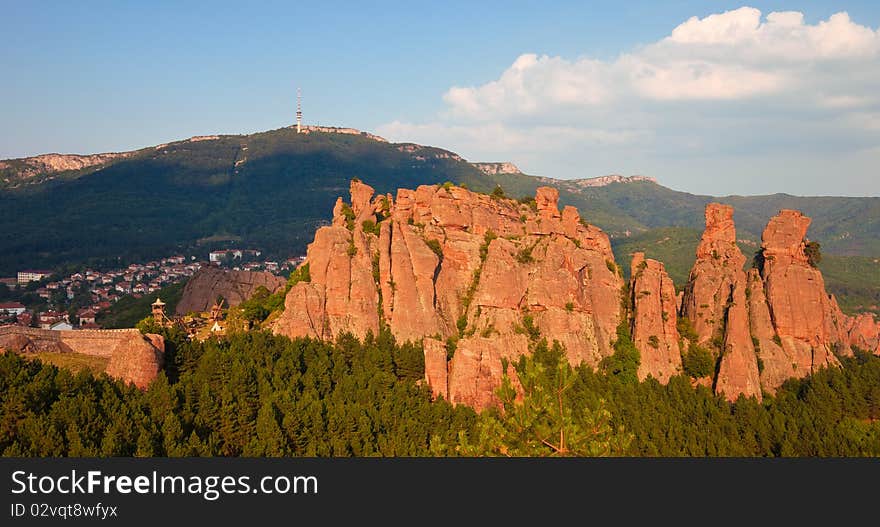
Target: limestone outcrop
<point x="235" y="287"/>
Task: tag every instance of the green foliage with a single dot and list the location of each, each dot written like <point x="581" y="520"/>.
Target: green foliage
<point x="654" y="341"/>
<point x="461" y="324"/>
<point x="624" y="362"/>
<point x="352" y="249"/>
<point x="569" y="306"/>
<point x="448" y="185"/>
<point x="686" y="329"/>
<point x="854" y="281"/>
<point x="451" y="346"/>
<point x="349" y="216"/>
<point x="698" y="362"/>
<point x="612" y="266"/>
<point x="498" y="192"/>
<point x="253" y="394"/>
<point x="524" y="256"/>
<point x="530" y="201"/>
<point x="434" y="245"/>
<point x="128" y="310"/>
<point x="777" y="340"/>
<point x="484" y="247"/>
<point x="528" y="328"/>
<point x="370" y="227"/>
<point x="813" y="252"/>
<point x="263" y="395"/>
<point x="549" y="420"/>
<point x="300" y="274"/>
<point x="261" y="304"/>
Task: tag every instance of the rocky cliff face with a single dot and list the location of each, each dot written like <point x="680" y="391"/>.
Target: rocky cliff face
<point x="714" y="301"/>
<point x="807" y="319"/>
<point x="653" y="323"/>
<point x="21" y="170"/>
<point x="481" y="279"/>
<point x="864" y="333"/>
<point x="774" y="322"/>
<point x="235" y="287"/>
<point x="493" y="169"/>
<point x="450" y="263"/>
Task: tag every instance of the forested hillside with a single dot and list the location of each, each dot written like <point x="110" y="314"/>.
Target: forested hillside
<point x="854" y="280"/>
<point x="270" y="190"/>
<point x="261" y="395"/>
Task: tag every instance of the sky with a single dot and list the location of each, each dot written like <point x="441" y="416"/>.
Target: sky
<point x="708" y="97"/>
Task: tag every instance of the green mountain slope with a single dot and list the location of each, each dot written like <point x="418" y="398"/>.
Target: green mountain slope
<point x="270" y="190"/>
<point x="854" y="280"/>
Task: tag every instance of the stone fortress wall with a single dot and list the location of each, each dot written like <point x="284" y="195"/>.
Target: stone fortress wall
<point x="134" y="357"/>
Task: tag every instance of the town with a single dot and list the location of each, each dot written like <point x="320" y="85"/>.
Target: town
<point x="41" y="298"/>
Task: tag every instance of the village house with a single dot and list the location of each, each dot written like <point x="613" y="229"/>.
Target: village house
<point x="11" y="308"/>
<point x="49" y="318"/>
<point x="33" y="275"/>
<point x="86" y="316"/>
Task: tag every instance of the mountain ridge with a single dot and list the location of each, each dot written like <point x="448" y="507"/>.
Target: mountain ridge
<point x="270" y="189"/>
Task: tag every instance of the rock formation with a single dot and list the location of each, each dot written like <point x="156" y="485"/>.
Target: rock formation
<point x="864" y="333"/>
<point x="450" y="263"/>
<point x="774" y="322"/>
<point x="481" y="279"/>
<point x="235" y="287"/>
<point x="714" y="301"/>
<point x="494" y="169"/>
<point x="654" y="318"/>
<point x="806" y="318"/>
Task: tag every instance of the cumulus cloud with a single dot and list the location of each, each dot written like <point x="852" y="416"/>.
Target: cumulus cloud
<point x="714" y="86"/>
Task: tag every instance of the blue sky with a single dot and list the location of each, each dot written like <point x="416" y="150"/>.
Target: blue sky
<point x="731" y="103"/>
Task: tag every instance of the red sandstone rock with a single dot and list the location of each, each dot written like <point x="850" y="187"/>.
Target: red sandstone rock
<point x="717" y="269"/>
<point x="342" y="296"/>
<point x="738" y="373"/>
<point x="361" y="195"/>
<point x="476" y="369"/>
<point x="436" y="367"/>
<point x="864" y="333"/>
<point x="654" y="319"/>
<point x="715" y="301"/>
<point x="806" y="319"/>
<point x="777" y="363"/>
<point x="547" y="199"/>
<point x="424" y="263"/>
<point x="437" y="277"/>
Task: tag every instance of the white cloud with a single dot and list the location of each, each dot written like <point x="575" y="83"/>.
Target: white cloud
<point x="735" y="75"/>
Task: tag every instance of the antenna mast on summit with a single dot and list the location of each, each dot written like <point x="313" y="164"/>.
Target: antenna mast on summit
<point x="299" y="112"/>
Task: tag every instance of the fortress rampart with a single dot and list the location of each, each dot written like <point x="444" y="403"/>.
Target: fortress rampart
<point x="133" y="357"/>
